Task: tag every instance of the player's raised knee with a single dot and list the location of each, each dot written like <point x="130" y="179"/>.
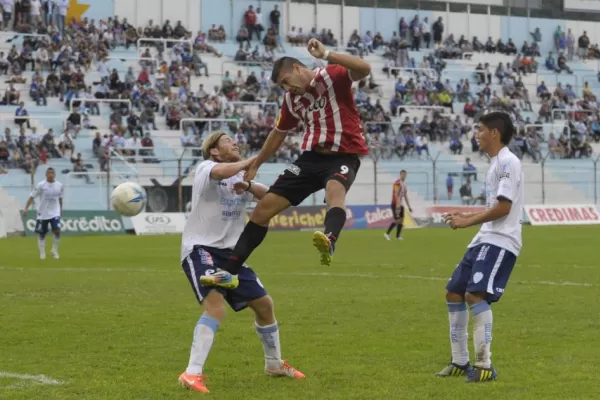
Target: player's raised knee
<point x="335" y="194"/>
<point x="267" y="208"/>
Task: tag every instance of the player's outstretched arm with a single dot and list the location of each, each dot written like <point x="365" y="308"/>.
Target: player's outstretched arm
<point x="359" y="69"/>
<point x="258" y="190"/>
<point x="273" y="142"/>
<point x="227" y="170"/>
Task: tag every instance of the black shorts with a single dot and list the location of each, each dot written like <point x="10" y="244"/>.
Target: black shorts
<point x="311" y="172"/>
<point x="398" y="211"/>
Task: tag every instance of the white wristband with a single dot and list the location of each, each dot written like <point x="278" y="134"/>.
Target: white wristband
<point x="326" y="55"/>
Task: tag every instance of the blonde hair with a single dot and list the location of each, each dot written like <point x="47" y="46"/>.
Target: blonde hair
<point x="211" y="142"/>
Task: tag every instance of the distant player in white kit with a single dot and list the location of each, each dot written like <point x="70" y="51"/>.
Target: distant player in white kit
<point x="217" y="219"/>
<point x="481" y="277"/>
<point x="48" y="196"/>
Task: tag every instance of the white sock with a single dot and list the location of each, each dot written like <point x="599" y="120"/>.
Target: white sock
<point x="204" y="334"/>
<point x="458" y="316"/>
<point x="42" y="244"/>
<point x="482" y="333"/>
<point x="269" y="337"/>
<point x="55" y="243"/>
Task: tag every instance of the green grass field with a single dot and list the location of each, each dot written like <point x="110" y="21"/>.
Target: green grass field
<point x="113" y="319"/>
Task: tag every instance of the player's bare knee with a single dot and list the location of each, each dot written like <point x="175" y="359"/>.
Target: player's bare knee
<point x="452" y="297"/>
<point x="214" y="305"/>
<point x="264" y="309"/>
<point x="475" y="297"/>
<point x="335" y="194"/>
<point x="267" y="208"/>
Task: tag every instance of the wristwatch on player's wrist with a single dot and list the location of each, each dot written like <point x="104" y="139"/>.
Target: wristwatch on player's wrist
<point x="326" y="55"/>
<point x="249" y="186"/>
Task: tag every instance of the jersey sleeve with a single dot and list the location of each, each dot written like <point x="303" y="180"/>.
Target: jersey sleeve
<point x="62" y="192"/>
<point x="339" y="74"/>
<point x="203" y="173"/>
<point x="288" y="119"/>
<point x="36" y="191"/>
<point x="510" y="180"/>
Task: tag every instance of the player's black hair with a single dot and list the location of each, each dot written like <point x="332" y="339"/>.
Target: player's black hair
<point x="50" y="169"/>
<point x="283" y="64"/>
<point x="403" y="171"/>
<point x="501" y="121"/>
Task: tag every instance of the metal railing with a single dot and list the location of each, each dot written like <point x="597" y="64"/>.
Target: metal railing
<point x="247" y="65"/>
<point x="550" y="181"/>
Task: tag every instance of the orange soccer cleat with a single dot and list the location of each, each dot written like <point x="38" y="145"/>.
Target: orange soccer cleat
<point x="285" y="370"/>
<point x="193" y="382"/>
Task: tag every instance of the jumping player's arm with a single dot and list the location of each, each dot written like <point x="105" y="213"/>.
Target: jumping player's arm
<point x="356" y="66"/>
<point x="272" y="143"/>
<point x="287" y="121"/>
<point x="221" y="171"/>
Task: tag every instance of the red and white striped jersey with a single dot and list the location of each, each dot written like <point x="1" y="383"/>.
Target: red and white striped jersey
<point x="328" y="111"/>
<point x="399" y="192"/>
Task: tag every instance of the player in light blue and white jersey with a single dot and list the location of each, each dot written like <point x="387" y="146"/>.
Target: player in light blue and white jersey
<point x="217" y="218"/>
<point x="48" y="196"/>
<point x="481" y="276"/>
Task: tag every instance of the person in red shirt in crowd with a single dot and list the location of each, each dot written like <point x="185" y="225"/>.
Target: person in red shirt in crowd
<point x="250" y="20"/>
<point x="321" y="100"/>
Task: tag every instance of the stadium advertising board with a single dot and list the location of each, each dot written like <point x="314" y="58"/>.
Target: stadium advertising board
<point x="158" y="223"/>
<point x="434" y="214"/>
<point x="81" y="223"/>
<point x="586" y="214"/>
<point x="358" y="217"/>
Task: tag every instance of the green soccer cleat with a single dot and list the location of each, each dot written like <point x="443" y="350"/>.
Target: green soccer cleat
<point x="325" y="247"/>
<point x="222" y="279"/>
<point x="453" y="369"/>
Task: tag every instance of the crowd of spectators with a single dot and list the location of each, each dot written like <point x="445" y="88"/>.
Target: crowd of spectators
<point x="162" y="87"/>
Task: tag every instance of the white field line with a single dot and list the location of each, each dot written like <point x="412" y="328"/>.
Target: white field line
<point x="24" y="379"/>
<point x="322" y="274"/>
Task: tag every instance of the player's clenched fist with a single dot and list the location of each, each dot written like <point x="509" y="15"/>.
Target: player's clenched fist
<point x="316" y="48"/>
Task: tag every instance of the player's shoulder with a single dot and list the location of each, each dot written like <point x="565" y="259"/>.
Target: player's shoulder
<point x="507" y="159"/>
<point x="41" y="183"/>
<point x="205" y="165"/>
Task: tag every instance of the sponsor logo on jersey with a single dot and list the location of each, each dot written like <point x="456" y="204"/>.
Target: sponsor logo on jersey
<point x="317" y="105"/>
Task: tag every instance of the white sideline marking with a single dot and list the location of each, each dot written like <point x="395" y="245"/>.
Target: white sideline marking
<point x="23" y="378"/>
<point x="423" y="278"/>
<point x="325" y="274"/>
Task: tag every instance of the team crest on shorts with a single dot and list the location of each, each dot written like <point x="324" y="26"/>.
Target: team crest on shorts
<point x="294" y="169"/>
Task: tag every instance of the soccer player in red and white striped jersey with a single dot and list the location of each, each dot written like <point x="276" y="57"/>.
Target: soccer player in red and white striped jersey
<point x="399" y="199"/>
<point x="320" y="100"/>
